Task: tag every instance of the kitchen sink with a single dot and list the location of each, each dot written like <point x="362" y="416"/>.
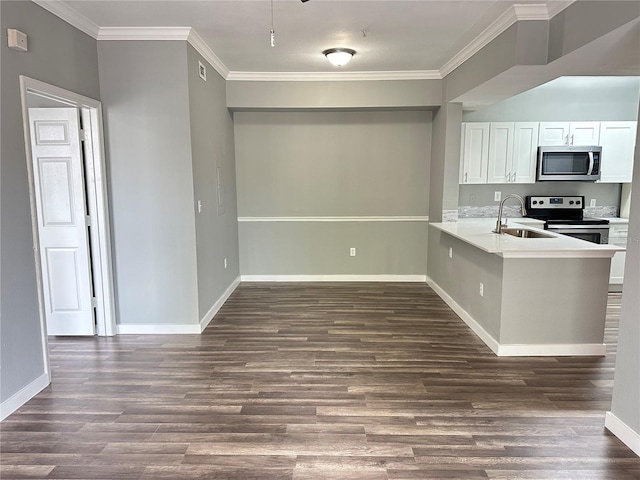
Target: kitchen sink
<point x="525" y="233"/>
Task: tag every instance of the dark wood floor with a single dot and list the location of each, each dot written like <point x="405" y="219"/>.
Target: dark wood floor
<point x="315" y="381"/>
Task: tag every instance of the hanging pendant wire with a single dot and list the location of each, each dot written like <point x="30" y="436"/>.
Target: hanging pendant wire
<point x="272" y="33"/>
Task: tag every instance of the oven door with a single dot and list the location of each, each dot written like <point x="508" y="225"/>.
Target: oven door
<point x="595" y="234"/>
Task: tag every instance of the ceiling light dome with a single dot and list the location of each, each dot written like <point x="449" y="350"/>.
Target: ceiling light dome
<point x="339" y="56"/>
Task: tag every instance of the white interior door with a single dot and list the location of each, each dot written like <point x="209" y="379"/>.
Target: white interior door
<point x="62" y="220"/>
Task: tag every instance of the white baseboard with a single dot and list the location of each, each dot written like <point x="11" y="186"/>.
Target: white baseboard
<point x="158" y="329"/>
<point x="529" y="350"/>
<point x="14" y="402"/>
<point x="179" y="329"/>
<point x="333" y="278"/>
<point x="485" y="336"/>
<point x="216" y="306"/>
<point x="553" y="350"/>
<point x="621" y="430"/>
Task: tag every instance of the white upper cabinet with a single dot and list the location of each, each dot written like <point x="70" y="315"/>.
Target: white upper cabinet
<point x="569" y="133"/>
<point x="553" y="133"/>
<point x="525" y="150"/>
<point x="618" y="140"/>
<point x="500" y="152"/>
<point x="475" y="152"/>
<point x="584" y="133"/>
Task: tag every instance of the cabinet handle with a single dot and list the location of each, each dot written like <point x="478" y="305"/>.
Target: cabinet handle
<point x="465" y="177"/>
<point x="571" y="139"/>
<point x="566" y="140"/>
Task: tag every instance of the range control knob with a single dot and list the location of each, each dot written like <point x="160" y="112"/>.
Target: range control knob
<point x="535" y="202"/>
<point x="577" y="202"/>
<point x="541" y="202"/>
<point x="570" y="202"/>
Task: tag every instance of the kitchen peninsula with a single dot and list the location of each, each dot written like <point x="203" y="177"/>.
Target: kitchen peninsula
<point x="523" y="296"/>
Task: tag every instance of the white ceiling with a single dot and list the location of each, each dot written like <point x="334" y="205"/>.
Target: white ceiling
<point x="389" y="36"/>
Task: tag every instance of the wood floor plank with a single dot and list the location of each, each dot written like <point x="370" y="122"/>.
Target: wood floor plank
<point x="312" y="381"/>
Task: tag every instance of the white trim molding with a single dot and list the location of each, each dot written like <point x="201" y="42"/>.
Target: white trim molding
<point x="507" y="350"/>
<point x="514" y="14"/>
<point x="506" y="20"/>
<point x="204" y="321"/>
<point x="333" y="76"/>
<point x="485" y="336"/>
<point x="21" y="397"/>
<point x="623" y="431"/>
<point x="144" y="33"/>
<point x="159" y="329"/>
<point x="334" y="278"/>
<point x="334" y="219"/>
<point x="70" y="15"/>
<point x="553" y="350"/>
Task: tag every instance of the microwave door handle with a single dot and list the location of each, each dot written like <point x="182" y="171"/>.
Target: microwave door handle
<point x="591" y="163"/>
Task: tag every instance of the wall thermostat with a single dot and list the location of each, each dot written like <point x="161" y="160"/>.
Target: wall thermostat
<point x="17" y="40"/>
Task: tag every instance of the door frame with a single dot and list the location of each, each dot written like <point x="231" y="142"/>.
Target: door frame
<point x="97" y="198"/>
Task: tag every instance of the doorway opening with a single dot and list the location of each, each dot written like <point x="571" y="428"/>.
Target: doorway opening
<point x="66" y="167"/>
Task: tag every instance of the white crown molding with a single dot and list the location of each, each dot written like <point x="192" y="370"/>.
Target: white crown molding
<point x="166" y="33"/>
<point x="555" y="8"/>
<point x="203" y="49"/>
<point x="144" y="33"/>
<point x="503" y="22"/>
<point x="518" y="12"/>
<point x="531" y="12"/>
<point x="71" y="16"/>
<point x="507" y="19"/>
<point x="333" y="76"/>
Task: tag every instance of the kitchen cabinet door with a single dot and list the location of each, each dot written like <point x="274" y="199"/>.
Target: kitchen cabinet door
<point x="584" y="133"/>
<point x="475" y="152"/>
<point x="525" y="150"/>
<point x="618" y="140"/>
<point x="500" y="152"/>
<point x="553" y="133"/>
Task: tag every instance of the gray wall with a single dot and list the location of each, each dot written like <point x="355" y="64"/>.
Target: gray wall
<point x="76" y="70"/>
<point x="212" y="147"/>
<point x="568" y="99"/>
<point x="307" y="164"/>
<point x="626" y="387"/>
<point x="145" y="97"/>
<point x="412" y="94"/>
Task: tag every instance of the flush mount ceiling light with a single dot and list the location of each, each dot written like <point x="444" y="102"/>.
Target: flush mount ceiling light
<point x="339" y="56"/>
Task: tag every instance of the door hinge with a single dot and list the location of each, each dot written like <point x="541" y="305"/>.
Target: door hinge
<point x="94" y="302"/>
<point x="88" y="220"/>
<point x="83" y="136"/>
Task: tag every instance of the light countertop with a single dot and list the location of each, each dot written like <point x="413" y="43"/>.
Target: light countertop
<point x="478" y="232"/>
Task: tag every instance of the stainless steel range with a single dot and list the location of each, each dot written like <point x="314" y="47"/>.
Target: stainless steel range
<point x="566" y="215"/>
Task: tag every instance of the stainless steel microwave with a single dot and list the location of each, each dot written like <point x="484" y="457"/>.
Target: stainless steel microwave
<point x="569" y="163"/>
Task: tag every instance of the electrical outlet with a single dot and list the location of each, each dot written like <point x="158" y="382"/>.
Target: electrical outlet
<point x="593" y="202"/>
<point x="497" y="196"/>
<point x="225" y="262"/>
<point x="481" y="289"/>
<point x="352" y="252"/>
<point x="450" y="252"/>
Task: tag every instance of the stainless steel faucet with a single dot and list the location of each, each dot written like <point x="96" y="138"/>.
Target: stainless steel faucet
<point x="499" y="224"/>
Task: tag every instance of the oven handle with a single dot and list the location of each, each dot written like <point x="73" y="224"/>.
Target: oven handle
<point x="591" y="163"/>
<point x="577" y="227"/>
